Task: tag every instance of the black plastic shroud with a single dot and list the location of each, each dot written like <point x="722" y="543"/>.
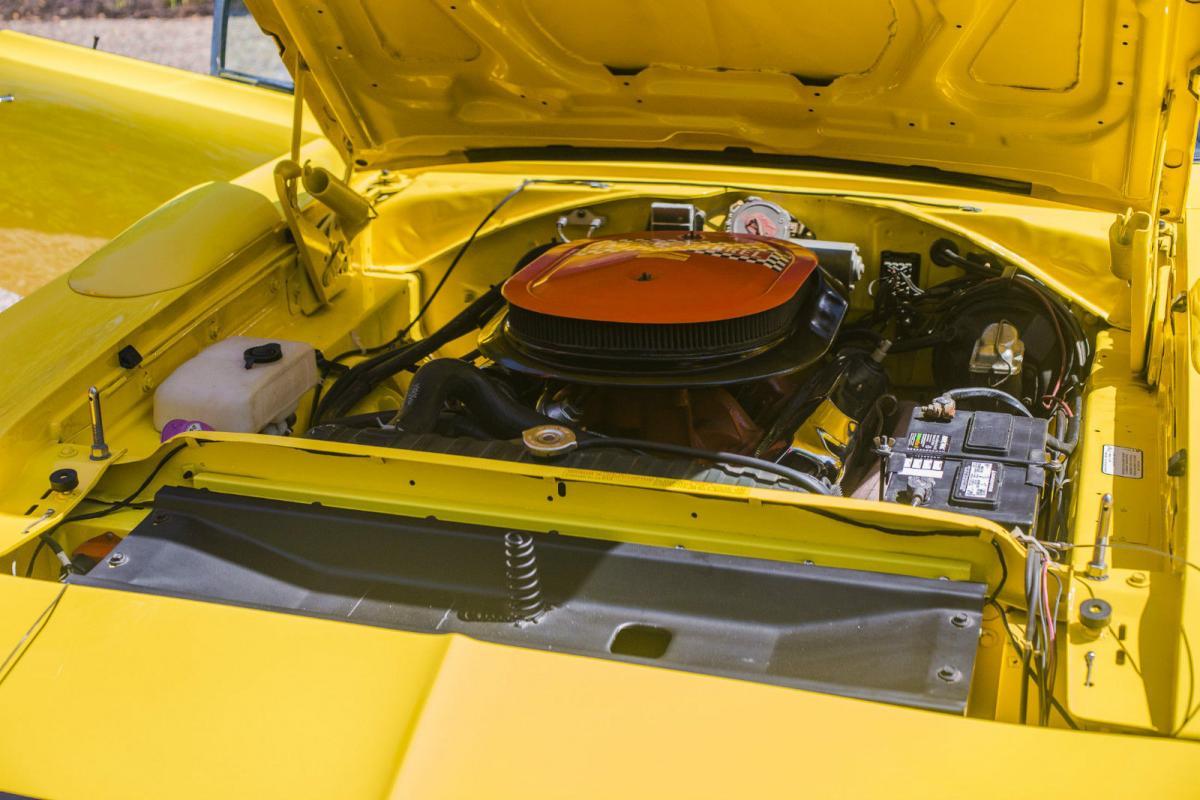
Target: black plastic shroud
<point x="892" y="638"/>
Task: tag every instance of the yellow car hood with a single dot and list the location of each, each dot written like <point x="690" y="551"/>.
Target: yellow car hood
<point x="1093" y="102"/>
<point x="109" y="694"/>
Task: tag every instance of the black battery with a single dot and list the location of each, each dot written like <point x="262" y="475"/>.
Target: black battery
<point x="977" y="462"/>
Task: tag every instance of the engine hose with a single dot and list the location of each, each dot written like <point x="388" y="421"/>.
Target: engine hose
<point x="1067" y="444"/>
<point x="920" y="342"/>
<point x="450" y="379"/>
<point x="805" y="481"/>
<point x="358" y="382"/>
<point x="987" y="393"/>
<point x="366" y="375"/>
<point x="971" y="267"/>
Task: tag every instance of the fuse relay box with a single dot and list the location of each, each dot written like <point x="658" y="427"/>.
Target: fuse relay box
<point x="977" y="462"/>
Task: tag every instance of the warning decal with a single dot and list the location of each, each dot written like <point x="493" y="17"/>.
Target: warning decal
<point x="1124" y="462"/>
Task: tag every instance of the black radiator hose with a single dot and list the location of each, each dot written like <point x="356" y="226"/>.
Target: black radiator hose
<point x="450" y="379"/>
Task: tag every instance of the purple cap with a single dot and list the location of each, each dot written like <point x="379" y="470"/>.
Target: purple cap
<point x="178" y="426"/>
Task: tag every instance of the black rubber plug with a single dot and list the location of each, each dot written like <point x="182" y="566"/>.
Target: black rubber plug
<point x="64" y="480"/>
<point x="1095" y="614"/>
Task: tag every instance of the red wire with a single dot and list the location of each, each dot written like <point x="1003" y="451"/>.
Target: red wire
<point x="1049" y="400"/>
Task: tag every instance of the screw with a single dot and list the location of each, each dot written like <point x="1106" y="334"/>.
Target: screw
<point x="118" y="559"/>
<point x="949" y="674"/>
<point x="960" y="620"/>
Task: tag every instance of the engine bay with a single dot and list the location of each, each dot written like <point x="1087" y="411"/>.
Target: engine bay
<point x="701" y="355"/>
<point x="736" y="350"/>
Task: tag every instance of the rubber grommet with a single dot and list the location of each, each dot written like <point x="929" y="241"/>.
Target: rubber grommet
<point x="64" y="480"/>
<point x="1095" y="614"/>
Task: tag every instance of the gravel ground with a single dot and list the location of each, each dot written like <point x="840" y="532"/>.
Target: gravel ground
<point x="183" y="43"/>
<point x="56" y="9"/>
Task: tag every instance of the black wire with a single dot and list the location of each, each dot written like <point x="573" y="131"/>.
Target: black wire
<point x="360" y="379"/>
<point x="37" y="551"/>
<point x="316" y="403"/>
<point x="99" y="502"/>
<point x="805" y="481"/>
<point x="458" y="256"/>
<point x="1029" y="676"/>
<point x="1003" y="572"/>
<point x="365" y="351"/>
<point x="120" y="504"/>
<point x="112" y="508"/>
<point x="970" y="266"/>
<point x="401" y="334"/>
<point x="1024" y="281"/>
<point x="820" y="512"/>
<point x="769" y="466"/>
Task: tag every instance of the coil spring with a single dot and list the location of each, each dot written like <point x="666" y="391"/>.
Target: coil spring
<point x="525" y="600"/>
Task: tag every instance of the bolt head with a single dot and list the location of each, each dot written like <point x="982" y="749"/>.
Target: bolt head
<point x="118" y="559"/>
<point x="960" y="620"/>
<point x="949" y="673"/>
<point x="1138" y="580"/>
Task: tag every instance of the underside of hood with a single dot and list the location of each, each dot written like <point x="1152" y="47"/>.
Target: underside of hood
<point x="1091" y="101"/>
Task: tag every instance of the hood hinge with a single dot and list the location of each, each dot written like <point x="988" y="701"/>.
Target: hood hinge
<point x="322" y="248"/>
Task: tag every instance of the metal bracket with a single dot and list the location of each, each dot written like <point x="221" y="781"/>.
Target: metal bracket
<point x="1131" y="241"/>
<point x="323" y="261"/>
<point x="1167" y="236"/>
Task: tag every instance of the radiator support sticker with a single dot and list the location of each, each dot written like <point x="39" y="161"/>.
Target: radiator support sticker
<point x="1123" y="462"/>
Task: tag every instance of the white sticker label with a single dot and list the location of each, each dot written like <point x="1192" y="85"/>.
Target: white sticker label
<point x="979" y="480"/>
<point x="1124" y="462"/>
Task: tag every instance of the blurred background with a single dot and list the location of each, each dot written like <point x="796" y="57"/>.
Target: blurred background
<point x="177" y="33"/>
